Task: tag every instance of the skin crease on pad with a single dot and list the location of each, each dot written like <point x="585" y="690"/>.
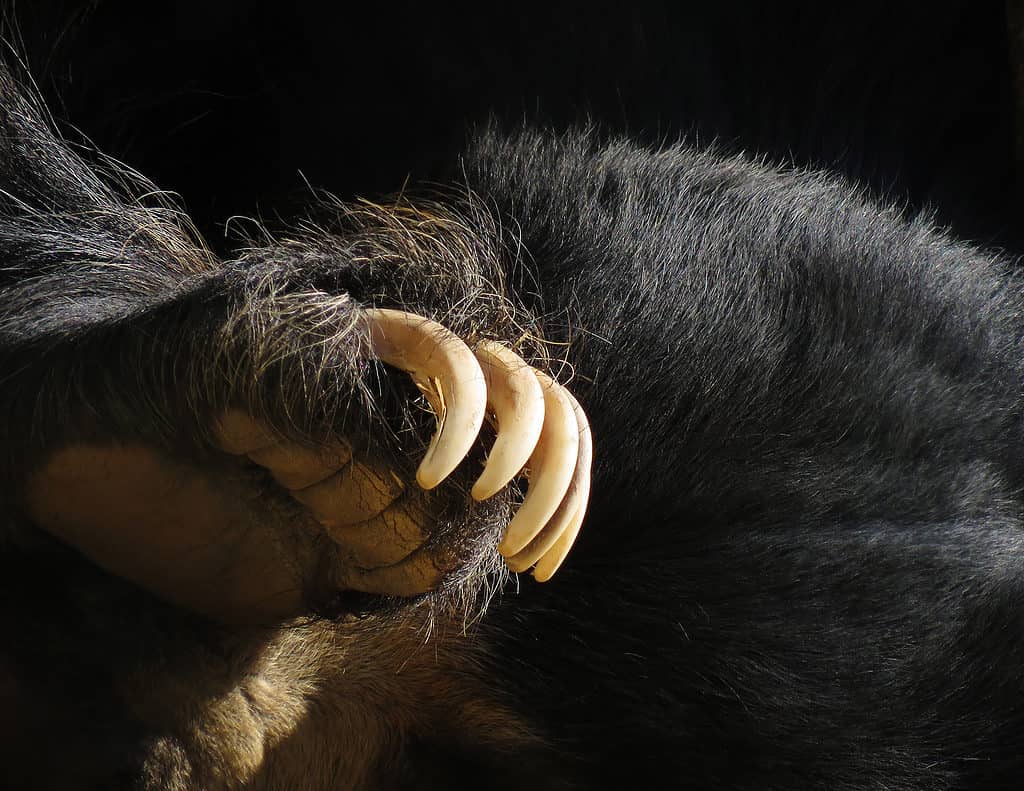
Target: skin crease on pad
<point x="194" y="542"/>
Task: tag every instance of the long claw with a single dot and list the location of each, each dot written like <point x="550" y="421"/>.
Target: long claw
<point x="552" y="466"/>
<point x="549" y="564"/>
<point x="579" y="493"/>
<point x="539" y="423"/>
<point x="573" y="505"/>
<point x="515" y="397"/>
<point x="444" y="368"/>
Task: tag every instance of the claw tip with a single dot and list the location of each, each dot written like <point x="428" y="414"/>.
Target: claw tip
<point x="426" y="479"/>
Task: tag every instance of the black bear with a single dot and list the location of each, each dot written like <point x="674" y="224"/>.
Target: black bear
<point x="801" y="562"/>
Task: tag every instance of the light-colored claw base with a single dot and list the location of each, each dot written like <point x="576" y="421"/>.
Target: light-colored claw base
<point x="546" y="525"/>
<point x="447" y="372"/>
<point x="515" y="399"/>
<point x="195" y="536"/>
<point x="540" y="428"/>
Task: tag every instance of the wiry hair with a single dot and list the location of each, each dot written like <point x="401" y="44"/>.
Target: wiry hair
<point x="156" y="337"/>
<point x="807" y="489"/>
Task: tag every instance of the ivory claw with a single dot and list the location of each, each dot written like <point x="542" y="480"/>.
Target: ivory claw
<point x="447" y="372"/>
<point x="552" y="466"/>
<point x="579" y="496"/>
<point x="515" y="397"/>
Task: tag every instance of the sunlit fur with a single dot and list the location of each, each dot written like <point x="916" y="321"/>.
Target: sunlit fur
<point x="802" y="562"/>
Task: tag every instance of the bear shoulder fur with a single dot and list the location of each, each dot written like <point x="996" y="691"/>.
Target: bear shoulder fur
<point x="802" y="563"/>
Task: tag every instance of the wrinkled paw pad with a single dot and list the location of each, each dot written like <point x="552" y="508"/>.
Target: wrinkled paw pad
<point x="540" y="429"/>
<point x="360" y="504"/>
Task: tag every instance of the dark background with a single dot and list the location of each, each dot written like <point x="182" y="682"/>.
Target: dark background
<point x="235" y="105"/>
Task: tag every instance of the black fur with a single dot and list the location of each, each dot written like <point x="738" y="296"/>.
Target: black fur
<point x="802" y="565"/>
<point x="802" y="562"/>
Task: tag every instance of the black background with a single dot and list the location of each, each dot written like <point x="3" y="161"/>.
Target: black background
<point x="236" y="105"/>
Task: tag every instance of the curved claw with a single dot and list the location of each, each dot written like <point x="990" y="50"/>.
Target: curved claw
<point x="539" y="423"/>
<point x="447" y="372"/>
<point x="549" y="564"/>
<point x="579" y="496"/>
<point x="569" y="515"/>
<point x="514" y="395"/>
<point x="552" y="466"/>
